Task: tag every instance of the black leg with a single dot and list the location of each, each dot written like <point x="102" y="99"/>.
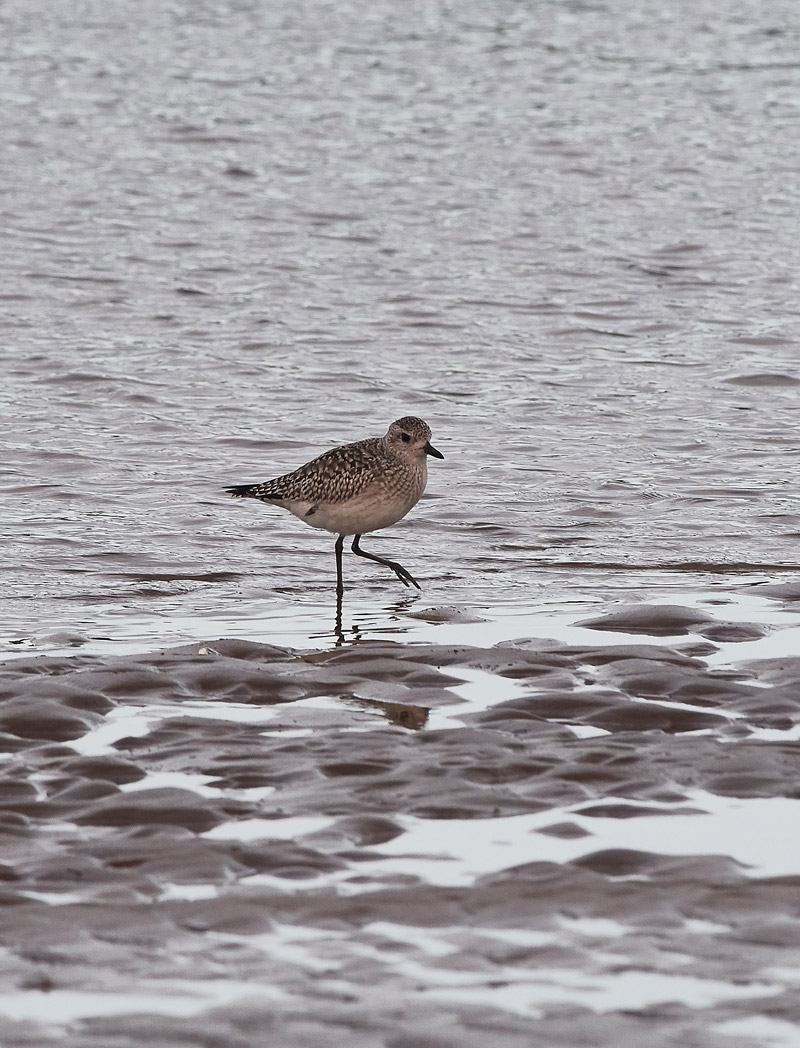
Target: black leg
<point x="339" y="583"/>
<point x="405" y="576"/>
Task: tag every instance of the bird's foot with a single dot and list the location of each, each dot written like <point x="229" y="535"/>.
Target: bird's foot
<point x="405" y="576"/>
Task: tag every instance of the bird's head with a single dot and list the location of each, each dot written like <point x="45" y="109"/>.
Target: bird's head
<point x="410" y="438"/>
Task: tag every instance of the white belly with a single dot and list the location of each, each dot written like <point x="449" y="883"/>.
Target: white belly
<point x="357" y="516"/>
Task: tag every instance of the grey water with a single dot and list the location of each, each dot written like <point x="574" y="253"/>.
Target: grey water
<point x="237" y="233"/>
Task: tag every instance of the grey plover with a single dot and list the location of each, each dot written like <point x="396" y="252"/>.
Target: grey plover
<point x="356" y="488"/>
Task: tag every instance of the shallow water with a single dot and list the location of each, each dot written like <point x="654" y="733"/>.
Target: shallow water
<point x="236" y="235"/>
<point x="566" y="235"/>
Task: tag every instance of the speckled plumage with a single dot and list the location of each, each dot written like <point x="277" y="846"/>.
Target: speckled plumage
<point x="356" y="488"/>
<point x="341" y="474"/>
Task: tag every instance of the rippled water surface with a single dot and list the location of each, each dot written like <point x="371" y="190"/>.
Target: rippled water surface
<point x="566" y="234"/>
<point x="237" y="234"/>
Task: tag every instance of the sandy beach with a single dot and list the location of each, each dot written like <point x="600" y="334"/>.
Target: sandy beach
<point x="404" y="843"/>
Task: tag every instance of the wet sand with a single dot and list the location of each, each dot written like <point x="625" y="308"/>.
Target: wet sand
<point x="405" y="844"/>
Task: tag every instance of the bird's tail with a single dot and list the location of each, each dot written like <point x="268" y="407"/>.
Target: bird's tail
<point x="252" y="491"/>
<point x="242" y="491"/>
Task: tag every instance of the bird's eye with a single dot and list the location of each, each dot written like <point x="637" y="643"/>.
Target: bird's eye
<point x="405" y="437"/>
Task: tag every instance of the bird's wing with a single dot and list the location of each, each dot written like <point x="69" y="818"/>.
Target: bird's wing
<point x="334" y="476"/>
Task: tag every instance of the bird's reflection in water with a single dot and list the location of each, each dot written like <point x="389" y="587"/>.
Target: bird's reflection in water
<point x="337" y="627"/>
<point x="402" y="714"/>
<point x="391" y="621"/>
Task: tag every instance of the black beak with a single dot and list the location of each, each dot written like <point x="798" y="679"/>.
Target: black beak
<point x="431" y="450"/>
